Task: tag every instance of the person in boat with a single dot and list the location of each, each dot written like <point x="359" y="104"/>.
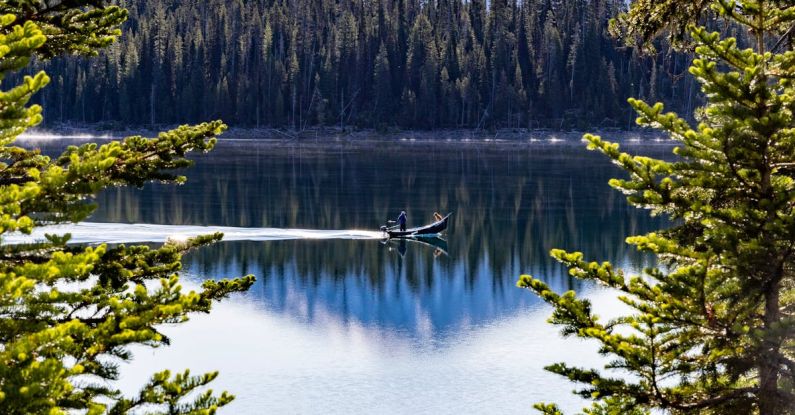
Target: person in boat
<point x="401" y="220"/>
<point x="437" y="216"/>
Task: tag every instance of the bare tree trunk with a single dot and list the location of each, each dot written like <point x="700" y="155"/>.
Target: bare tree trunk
<point x="769" y="400"/>
<point x="152" y="105"/>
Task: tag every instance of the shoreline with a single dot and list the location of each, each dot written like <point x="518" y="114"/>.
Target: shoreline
<point x="329" y="134"/>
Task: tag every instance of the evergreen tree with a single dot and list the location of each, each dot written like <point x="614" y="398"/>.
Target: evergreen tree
<point x="382" y="85"/>
<point x="647" y="19"/>
<point x="255" y="63"/>
<point x="712" y="329"/>
<point x="68" y="314"/>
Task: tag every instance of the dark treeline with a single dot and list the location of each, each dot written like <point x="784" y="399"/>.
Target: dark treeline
<point x="368" y="63"/>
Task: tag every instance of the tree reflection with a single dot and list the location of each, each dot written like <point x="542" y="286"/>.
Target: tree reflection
<point x="512" y="204"/>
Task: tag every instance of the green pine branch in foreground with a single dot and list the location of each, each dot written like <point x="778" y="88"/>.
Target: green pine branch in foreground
<point x="712" y="330"/>
<point x="68" y="315"/>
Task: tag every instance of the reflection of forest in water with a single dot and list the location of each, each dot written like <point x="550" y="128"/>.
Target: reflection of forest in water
<point x="512" y="204"/>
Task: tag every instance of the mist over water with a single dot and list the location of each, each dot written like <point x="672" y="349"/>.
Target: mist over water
<point x="340" y="322"/>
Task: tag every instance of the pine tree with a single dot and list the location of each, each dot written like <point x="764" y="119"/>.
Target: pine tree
<point x="260" y="51"/>
<point x="68" y="314"/>
<point x="713" y="327"/>
<point x="382" y="84"/>
<point x="648" y="18"/>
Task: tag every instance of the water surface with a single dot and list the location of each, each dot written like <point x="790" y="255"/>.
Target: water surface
<point x="360" y="326"/>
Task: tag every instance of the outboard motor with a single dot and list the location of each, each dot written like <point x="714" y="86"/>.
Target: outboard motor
<point x="383" y="228"/>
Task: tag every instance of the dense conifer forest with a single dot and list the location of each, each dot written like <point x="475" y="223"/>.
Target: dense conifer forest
<point x="367" y="63"/>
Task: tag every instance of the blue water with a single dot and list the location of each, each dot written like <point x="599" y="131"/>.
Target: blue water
<point x="342" y="322"/>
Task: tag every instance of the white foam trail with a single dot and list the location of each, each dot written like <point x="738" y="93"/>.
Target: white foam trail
<point x="92" y="232"/>
<point x="47" y="136"/>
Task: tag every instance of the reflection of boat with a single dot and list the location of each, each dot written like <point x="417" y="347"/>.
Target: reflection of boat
<point x="438" y="244"/>
<point x="422" y="231"/>
<point x="434" y="242"/>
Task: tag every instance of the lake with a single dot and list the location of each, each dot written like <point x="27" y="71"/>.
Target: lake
<point x="345" y="325"/>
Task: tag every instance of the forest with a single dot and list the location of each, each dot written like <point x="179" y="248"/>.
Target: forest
<point x="412" y="64"/>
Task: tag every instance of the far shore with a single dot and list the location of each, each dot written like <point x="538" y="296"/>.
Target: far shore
<point x="100" y="131"/>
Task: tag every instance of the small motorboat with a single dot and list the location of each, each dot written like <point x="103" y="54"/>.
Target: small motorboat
<point x="428" y="230"/>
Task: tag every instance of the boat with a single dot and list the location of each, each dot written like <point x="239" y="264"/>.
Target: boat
<point x="432" y="229"/>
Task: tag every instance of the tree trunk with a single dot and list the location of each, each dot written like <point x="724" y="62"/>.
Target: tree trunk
<point x="152" y="105"/>
<point x="769" y="399"/>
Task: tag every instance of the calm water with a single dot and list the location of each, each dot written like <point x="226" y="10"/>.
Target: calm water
<point x="360" y="326"/>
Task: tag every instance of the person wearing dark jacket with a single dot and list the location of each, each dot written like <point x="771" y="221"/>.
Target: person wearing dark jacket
<point x="402" y="220"/>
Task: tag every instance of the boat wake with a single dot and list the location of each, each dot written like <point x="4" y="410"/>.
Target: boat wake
<point x="115" y="233"/>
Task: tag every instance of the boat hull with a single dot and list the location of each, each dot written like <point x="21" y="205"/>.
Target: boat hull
<point x="427" y="230"/>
